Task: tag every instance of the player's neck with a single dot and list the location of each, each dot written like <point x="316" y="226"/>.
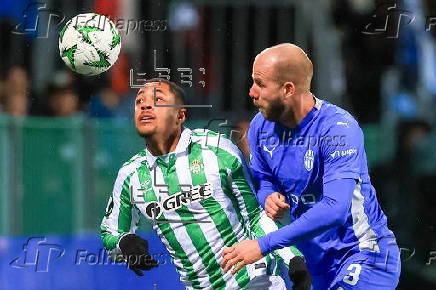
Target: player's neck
<point x="298" y="109"/>
<point x="163" y="144"/>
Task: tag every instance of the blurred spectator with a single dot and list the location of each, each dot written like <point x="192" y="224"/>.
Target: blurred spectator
<point x="14" y="92"/>
<point x="17" y="81"/>
<point x="410" y="133"/>
<point x="63" y="102"/>
<point x="60" y="80"/>
<point x="104" y="105"/>
<point x="16" y="104"/>
<point x="424" y="167"/>
<point x="407" y="197"/>
<point x="397" y="183"/>
<point x="366" y="57"/>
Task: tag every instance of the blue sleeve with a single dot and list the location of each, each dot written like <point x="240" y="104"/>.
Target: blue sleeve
<point x="260" y="171"/>
<point x="330" y="211"/>
<point x="342" y="150"/>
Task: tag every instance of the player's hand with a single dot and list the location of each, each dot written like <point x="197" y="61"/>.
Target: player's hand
<point x="299" y="274"/>
<point x="243" y="253"/>
<point x="135" y="252"/>
<point x="276" y="205"/>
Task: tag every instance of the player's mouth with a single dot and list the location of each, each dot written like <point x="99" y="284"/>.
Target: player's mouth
<point x="146" y="118"/>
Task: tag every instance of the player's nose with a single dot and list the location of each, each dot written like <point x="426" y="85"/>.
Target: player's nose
<point x="253" y="93"/>
<point x="147" y="104"/>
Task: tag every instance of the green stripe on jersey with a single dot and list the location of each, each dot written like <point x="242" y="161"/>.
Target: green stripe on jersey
<point x="216" y="212"/>
<point x="109" y="241"/>
<point x="169" y="235"/>
<point x="124" y="217"/>
<point x="193" y="229"/>
<point x="228" y="160"/>
<point x="125" y="211"/>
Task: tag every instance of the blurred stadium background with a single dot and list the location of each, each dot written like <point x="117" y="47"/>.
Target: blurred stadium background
<point x="64" y="136"/>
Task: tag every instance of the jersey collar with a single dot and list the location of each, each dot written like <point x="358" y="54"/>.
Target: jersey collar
<point x="318" y="103"/>
<point x="312" y="113"/>
<point x="181" y="147"/>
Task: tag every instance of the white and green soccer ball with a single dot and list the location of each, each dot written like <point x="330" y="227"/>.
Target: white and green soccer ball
<point x="89" y="43"/>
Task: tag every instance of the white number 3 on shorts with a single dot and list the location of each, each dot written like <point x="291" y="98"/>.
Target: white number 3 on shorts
<point x="353" y="277"/>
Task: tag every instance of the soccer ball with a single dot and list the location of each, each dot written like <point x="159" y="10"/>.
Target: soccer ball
<point x="89" y="43"/>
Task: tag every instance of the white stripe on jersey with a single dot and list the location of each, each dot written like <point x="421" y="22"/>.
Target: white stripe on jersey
<point x="211" y="233"/>
<point x="269" y="226"/>
<point x="141" y="206"/>
<point x="362" y="229"/>
<point x="183" y="238"/>
<point x="210" y="171"/>
<point x="111" y="222"/>
<point x="230" y="148"/>
<point x="240" y="199"/>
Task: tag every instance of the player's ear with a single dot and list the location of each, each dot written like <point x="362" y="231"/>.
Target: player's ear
<point x="289" y="89"/>
<point x="182" y="115"/>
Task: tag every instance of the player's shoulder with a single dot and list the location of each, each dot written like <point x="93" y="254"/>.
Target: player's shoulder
<point x="259" y="125"/>
<point x="129" y="166"/>
<point x="205" y="137"/>
<point x="333" y="117"/>
<point x="214" y="141"/>
<point x="257" y="122"/>
<point x="257" y="119"/>
<point x="201" y="132"/>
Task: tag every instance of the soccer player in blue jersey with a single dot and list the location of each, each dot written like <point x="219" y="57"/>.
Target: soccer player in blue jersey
<point x="307" y="155"/>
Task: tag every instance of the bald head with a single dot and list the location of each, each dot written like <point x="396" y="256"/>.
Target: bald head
<point x="288" y="63"/>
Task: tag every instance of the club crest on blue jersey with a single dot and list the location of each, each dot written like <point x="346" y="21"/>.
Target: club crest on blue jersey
<point x="308" y="159"/>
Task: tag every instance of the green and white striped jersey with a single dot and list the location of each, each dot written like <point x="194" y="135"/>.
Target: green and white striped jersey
<point x="199" y="199"/>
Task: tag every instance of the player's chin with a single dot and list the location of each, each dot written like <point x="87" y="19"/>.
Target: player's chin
<point x="268" y="115"/>
<point x="144" y="132"/>
<point x="263" y="112"/>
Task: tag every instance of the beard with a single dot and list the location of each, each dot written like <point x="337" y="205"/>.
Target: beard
<point x="273" y="112"/>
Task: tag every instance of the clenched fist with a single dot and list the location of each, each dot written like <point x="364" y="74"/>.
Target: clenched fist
<point x="276" y="205"/>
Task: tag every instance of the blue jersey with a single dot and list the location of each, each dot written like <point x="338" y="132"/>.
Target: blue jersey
<point x="327" y="145"/>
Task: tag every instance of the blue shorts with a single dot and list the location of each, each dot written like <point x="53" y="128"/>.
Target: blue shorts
<point x="363" y="270"/>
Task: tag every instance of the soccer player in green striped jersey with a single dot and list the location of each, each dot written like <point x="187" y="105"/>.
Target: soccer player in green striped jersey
<point x="195" y="189"/>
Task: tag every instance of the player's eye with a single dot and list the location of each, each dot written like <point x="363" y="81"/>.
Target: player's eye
<point x="259" y="83"/>
<point x="139" y="101"/>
